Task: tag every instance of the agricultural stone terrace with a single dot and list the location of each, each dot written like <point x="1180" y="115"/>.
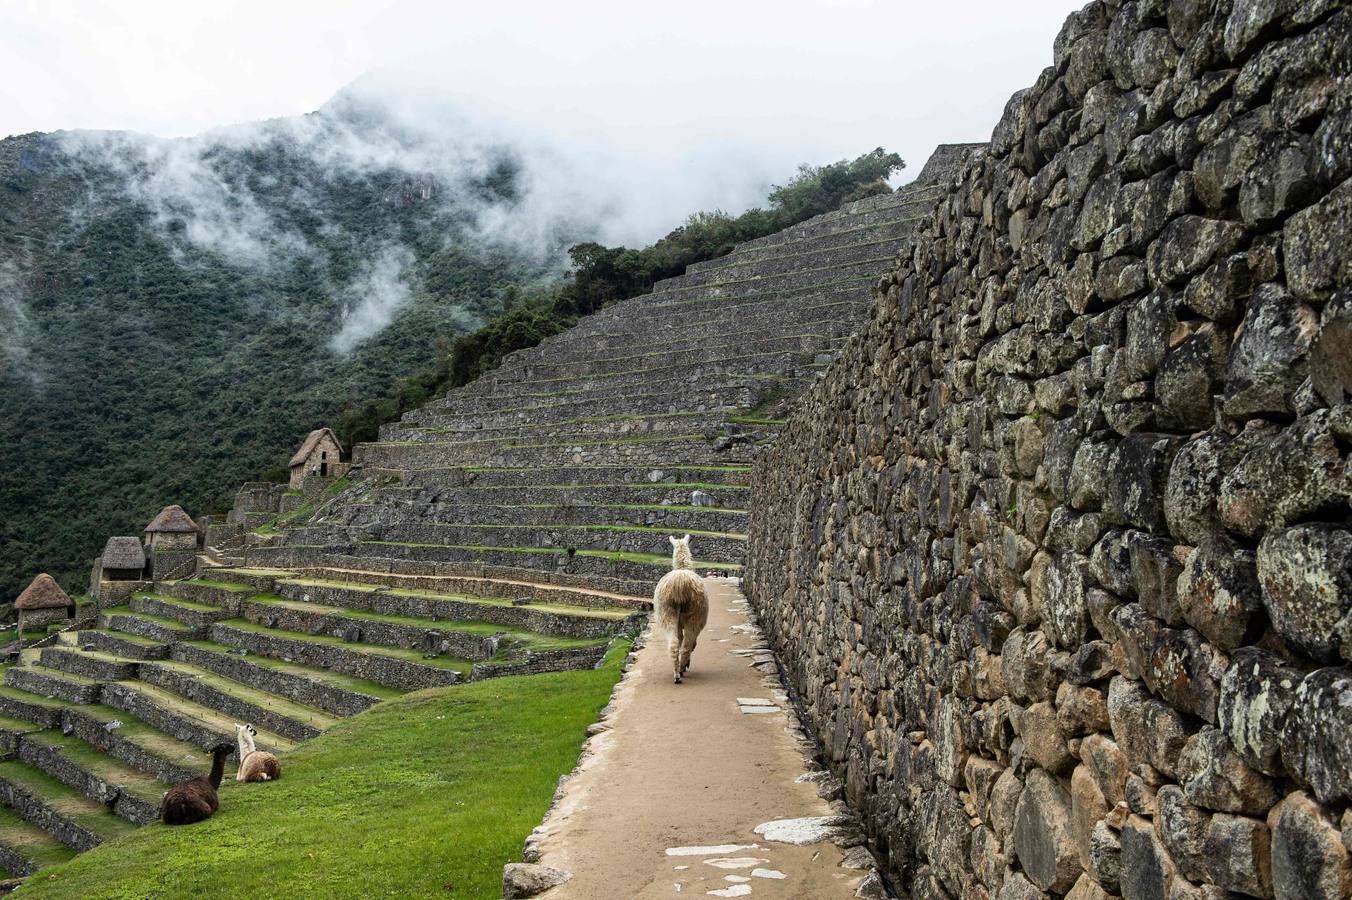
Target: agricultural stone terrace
<point x="97" y="722"/>
<point x="514" y="527"/>
<point x="569" y="466"/>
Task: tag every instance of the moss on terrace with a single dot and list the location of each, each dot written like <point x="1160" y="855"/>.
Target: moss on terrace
<point x="586" y="612"/>
<point x="649" y="559"/>
<point x="518" y="637"/>
<point x="307" y="509"/>
<point x="454" y="663"/>
<point x="424" y="796"/>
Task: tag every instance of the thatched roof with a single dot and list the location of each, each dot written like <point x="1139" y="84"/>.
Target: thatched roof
<point x="172" y="518"/>
<point x="43" y="593"/>
<point x="123" y="553"/>
<point x="311" y="441"/>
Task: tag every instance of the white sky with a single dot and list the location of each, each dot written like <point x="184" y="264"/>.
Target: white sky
<point x="806" y="81"/>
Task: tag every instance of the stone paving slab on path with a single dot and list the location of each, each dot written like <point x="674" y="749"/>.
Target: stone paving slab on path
<point x="702" y="788"/>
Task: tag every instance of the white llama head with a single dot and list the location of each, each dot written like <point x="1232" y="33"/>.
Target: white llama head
<point x="245" y="734"/>
<point x="681" y="557"/>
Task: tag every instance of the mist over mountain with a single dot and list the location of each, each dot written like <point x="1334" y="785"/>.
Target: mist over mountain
<point x="176" y="313"/>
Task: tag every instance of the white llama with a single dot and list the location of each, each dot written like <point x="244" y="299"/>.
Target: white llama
<point x="254" y="764"/>
<point x="681" y="605"/>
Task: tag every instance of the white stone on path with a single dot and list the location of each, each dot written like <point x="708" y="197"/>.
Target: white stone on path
<point x="768" y="873"/>
<point x="758" y="710"/>
<point x="736" y="862"/>
<point x="754" y="701"/>
<point x="736" y="890"/>
<point x="736" y="879"/>
<point x="714" y="850"/>
<point x="807" y="830"/>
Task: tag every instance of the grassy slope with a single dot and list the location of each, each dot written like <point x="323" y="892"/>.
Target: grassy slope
<point x="424" y="796"/>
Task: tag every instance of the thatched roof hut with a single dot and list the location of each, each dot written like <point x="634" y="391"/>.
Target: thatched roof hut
<point x="43" y="593"/>
<point x="319" y="454"/>
<point x="123" y="553"/>
<point x="174" y="520"/>
<point x="312" y="442"/>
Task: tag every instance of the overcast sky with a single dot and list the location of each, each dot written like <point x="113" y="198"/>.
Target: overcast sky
<point x="812" y="80"/>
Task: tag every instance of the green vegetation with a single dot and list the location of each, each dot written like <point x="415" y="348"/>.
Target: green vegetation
<point x="147" y="369"/>
<point x="66" y="801"/>
<point x="602" y="275"/>
<point x="453" y="663"/>
<point x="427" y="795"/>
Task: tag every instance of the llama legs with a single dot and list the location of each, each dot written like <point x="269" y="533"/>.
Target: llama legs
<point x="674" y="642"/>
<point x="687" y="648"/>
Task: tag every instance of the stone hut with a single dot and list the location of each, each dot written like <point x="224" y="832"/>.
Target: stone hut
<point x="123" y="559"/>
<point x="42" y="603"/>
<point x="320" y="454"/>
<point x="172" y="529"/>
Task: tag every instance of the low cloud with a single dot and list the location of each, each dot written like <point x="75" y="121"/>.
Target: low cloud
<point x="16" y="331"/>
<point x="238" y="193"/>
<point x="380" y="289"/>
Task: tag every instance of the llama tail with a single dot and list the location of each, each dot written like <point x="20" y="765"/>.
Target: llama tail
<point x="675" y="592"/>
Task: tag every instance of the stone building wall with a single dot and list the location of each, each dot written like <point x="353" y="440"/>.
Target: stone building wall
<point x="1058" y="553"/>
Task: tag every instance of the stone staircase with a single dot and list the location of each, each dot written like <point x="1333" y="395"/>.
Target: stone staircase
<point x="515" y="526"/>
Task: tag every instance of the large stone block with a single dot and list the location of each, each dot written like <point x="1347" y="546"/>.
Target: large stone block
<point x="1317" y="245"/>
<point x="1271" y="355"/>
<point x="1309" y="861"/>
<point x="1214" y="776"/>
<point x="1317" y="737"/>
<point x="1218" y="592"/>
<point x="1257" y="692"/>
<point x="1306" y="574"/>
<point x="1042" y="837"/>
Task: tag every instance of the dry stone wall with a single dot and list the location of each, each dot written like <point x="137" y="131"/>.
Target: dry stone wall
<point x="1058" y="552"/>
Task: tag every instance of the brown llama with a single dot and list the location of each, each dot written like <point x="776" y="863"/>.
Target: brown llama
<point x="682" y="606"/>
<point x="254" y="764"/>
<point x="195" y="799"/>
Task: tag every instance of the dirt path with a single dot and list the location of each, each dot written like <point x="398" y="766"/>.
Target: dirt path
<point x="667" y="800"/>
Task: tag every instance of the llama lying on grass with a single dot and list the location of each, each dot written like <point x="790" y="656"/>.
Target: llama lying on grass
<point x="681" y="606"/>
<point x="254" y="764"/>
<point x="195" y="799"/>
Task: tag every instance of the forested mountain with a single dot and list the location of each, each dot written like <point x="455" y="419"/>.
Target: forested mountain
<point x="175" y="315"/>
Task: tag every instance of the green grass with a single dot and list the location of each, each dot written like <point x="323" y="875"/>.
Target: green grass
<point x="563" y="609"/>
<point x="66" y="801"/>
<point x="627" y="468"/>
<point x="454" y="663"/>
<point x="573" y="487"/>
<point x="638" y="529"/>
<point x="233" y="586"/>
<point x="180" y="602"/>
<point x="516" y="637"/>
<point x="756" y="420"/>
<point x="319" y="676"/>
<point x="274" y="703"/>
<point x="204" y="715"/>
<point x="135" y="782"/>
<point x="172" y="624"/>
<point x="131" y="638"/>
<point x="307" y="509"/>
<point x="30" y="841"/>
<point x="648" y="559"/>
<point x="424" y="796"/>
